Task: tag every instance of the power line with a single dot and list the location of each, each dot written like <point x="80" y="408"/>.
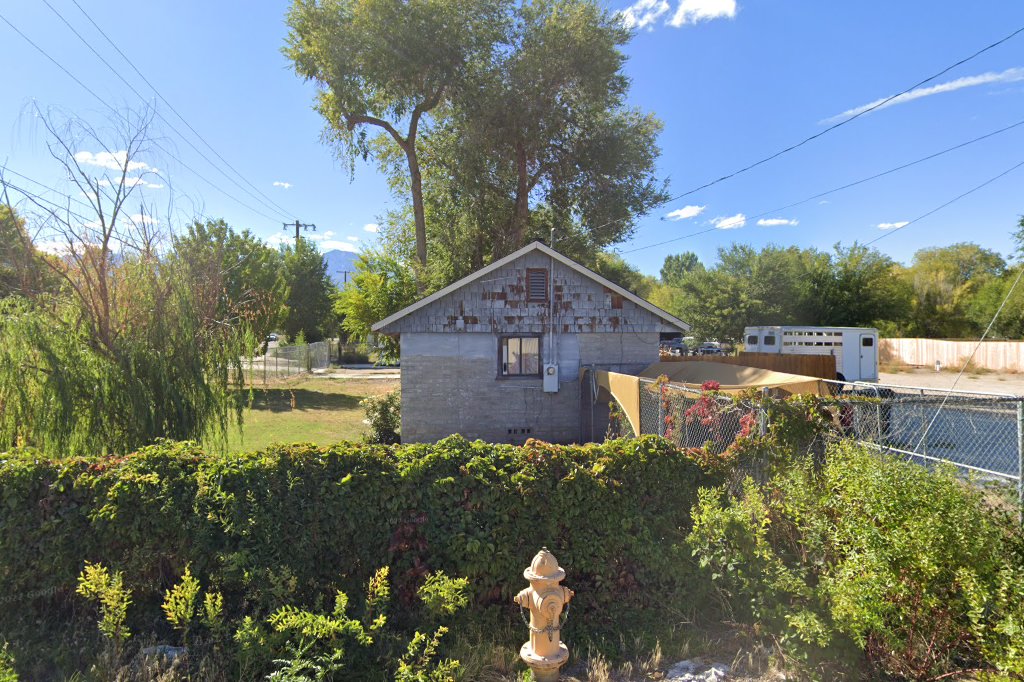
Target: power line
<point x="5" y="169"/>
<point x="790" y="148"/>
<point x="159" y="115"/>
<point x="38" y="198"/>
<point x="867" y="110"/>
<point x="117" y="113"/>
<point x="171" y="107"/>
<point x="846" y="186"/>
<point x="951" y="201"/>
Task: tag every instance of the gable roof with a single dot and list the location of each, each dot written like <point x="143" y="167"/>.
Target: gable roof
<point x="548" y="251"/>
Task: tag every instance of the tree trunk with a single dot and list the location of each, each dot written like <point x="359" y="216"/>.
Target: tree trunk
<point x="417" y="201"/>
<point x="521" y="212"/>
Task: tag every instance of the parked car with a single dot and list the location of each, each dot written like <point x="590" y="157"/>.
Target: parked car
<point x="674" y="347"/>
<point x="271" y="337"/>
<point x="710" y="348"/>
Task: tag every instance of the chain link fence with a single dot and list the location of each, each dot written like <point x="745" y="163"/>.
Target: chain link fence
<point x="978" y="432"/>
<point x="281" y="362"/>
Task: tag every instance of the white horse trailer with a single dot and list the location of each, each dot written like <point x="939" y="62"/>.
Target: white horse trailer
<point x="854" y="348"/>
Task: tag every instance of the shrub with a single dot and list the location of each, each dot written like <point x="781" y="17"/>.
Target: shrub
<point x="870" y="554"/>
<point x="294" y="525"/>
<point x="384" y="416"/>
<point x="7" y="673"/>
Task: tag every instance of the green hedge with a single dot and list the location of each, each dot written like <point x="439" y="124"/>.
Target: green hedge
<point x="292" y="524"/>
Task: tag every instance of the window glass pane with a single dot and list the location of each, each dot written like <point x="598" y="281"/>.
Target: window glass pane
<point x="751" y="340"/>
<point x="867" y="342"/>
<point x="769" y="340"/>
<point x="514" y="356"/>
<point x="530" y="356"/>
<point x="504" y="356"/>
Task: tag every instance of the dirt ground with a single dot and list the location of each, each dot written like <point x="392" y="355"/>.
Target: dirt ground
<point x="988" y="382"/>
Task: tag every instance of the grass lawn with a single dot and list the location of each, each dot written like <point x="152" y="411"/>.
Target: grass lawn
<point x="304" y="409"/>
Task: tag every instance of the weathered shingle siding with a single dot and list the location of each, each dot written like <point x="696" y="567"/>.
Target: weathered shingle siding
<point x="496" y="303"/>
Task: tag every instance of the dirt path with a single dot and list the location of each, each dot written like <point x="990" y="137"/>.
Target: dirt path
<point x="989" y="382"/>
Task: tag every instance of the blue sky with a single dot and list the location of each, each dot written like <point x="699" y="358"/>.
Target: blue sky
<point x="733" y="81"/>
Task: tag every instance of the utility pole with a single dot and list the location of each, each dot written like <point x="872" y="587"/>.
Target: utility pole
<point x="297" y="225"/>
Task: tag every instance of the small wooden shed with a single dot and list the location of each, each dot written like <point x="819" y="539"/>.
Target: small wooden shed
<point x="498" y="355"/>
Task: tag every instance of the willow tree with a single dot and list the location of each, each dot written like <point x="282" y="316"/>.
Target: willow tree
<point x="383" y="65"/>
<point x="121" y="354"/>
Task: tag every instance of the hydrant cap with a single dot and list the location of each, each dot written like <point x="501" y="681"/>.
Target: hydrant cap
<point x="544" y="567"/>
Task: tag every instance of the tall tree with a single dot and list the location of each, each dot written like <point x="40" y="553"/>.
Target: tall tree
<point x="309" y="292"/>
<point x="542" y="137"/>
<point x="1018" y="238"/>
<point x="614" y="268"/>
<point x="235" y="275"/>
<point x="383" y="284"/>
<point x="945" y="280"/>
<point x="384" y="65"/>
<point x="858" y="286"/>
<point x="677" y="265"/>
<point x="22" y="268"/>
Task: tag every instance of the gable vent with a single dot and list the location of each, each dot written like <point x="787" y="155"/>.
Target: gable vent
<point x="536" y="284"/>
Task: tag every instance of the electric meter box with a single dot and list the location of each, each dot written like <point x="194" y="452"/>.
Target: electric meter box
<point x="551" y="378"/>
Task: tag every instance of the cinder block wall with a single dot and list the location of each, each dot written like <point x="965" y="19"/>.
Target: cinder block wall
<point x="450" y="384"/>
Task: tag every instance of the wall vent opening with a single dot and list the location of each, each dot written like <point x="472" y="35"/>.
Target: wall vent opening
<point x="536" y="285"/>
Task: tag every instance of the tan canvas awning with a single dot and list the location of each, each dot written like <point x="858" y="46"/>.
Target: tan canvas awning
<point x="625" y="388"/>
<point x="733" y="378"/>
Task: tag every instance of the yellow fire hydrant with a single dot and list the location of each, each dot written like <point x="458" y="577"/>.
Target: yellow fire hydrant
<point x="544" y="598"/>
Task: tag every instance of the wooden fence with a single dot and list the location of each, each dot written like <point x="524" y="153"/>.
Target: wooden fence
<point x="822" y="366"/>
<point x="1001" y="356"/>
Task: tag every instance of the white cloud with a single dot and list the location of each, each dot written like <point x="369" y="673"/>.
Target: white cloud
<point x="686" y="212"/>
<point x="1008" y="76"/>
<point x="112" y="160"/>
<point x="352" y="239"/>
<point x="774" y="222"/>
<point x="371" y="227"/>
<point x="143" y="219"/>
<point x="643" y="13"/>
<point x="695" y="11"/>
<point x="279" y="239"/>
<point x="823" y="202"/>
<point x="53" y="247"/>
<point x="893" y="226"/>
<point x="285" y="185"/>
<point x="730" y="223"/>
<point x="334" y="244"/>
<point x="131" y="182"/>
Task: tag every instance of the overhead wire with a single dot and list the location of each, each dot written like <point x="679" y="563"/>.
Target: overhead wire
<point x="40" y="198"/>
<point x="942" y="206"/>
<point x="852" y="118"/>
<point x="853" y="184"/>
<point x="829" y="129"/>
<point x="6" y="169"/>
<point x="119" y="114"/>
<point x="175" y="111"/>
<point x="170" y="125"/>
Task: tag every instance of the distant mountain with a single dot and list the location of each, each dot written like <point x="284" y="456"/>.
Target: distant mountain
<point x="338" y="262"/>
